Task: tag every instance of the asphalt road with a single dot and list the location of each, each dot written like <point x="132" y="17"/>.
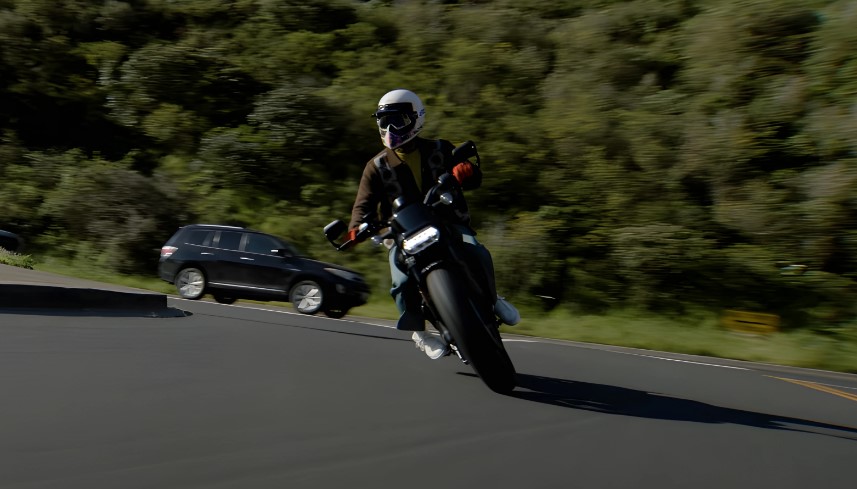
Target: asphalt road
<point x="244" y="397"/>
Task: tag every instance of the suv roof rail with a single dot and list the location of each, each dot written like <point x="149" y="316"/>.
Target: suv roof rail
<point x="217" y="226"/>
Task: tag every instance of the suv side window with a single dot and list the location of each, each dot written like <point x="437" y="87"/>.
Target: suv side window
<point x="259" y="243"/>
<point x="229" y="240"/>
<point x="199" y="237"/>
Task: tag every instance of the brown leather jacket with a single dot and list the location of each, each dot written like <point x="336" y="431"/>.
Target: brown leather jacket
<point x="377" y="193"/>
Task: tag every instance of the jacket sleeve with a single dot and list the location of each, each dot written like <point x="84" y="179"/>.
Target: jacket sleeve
<point x="367" y="196"/>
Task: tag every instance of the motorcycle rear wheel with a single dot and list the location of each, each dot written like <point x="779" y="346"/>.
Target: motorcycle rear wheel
<point x="472" y="336"/>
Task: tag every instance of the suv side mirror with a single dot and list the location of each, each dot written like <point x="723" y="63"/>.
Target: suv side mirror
<point x="285" y="253"/>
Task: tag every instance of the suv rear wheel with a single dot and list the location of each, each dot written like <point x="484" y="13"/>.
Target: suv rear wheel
<point x="190" y="283"/>
<point x="307" y="297"/>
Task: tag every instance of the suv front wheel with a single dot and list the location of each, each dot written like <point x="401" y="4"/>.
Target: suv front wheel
<point x="190" y="283"/>
<point x="225" y="299"/>
<point x="336" y="313"/>
<point x="307" y="297"/>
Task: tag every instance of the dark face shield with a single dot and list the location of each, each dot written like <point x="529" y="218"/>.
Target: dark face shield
<point x="394" y="120"/>
<point x="397" y="118"/>
<point x="397" y="123"/>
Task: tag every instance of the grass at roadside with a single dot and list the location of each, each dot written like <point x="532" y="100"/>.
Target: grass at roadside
<point x="94" y="273"/>
<point x="16" y="259"/>
<point x="379" y="306"/>
<point x="699" y="333"/>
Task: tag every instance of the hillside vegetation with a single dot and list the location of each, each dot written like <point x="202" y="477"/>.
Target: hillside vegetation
<point x="656" y="155"/>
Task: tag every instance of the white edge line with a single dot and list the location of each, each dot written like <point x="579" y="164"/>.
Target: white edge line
<point x="504" y="340"/>
<point x="507" y="340"/>
<point x="292" y="313"/>
<point x="680" y="361"/>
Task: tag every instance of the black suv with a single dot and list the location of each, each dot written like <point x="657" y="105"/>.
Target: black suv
<point x="233" y="263"/>
<point x="10" y="241"/>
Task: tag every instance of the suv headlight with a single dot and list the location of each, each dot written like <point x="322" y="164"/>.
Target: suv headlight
<point x="421" y="240"/>
<point x="345" y="274"/>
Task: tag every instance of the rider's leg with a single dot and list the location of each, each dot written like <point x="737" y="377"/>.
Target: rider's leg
<point x="481" y="255"/>
<point x="410" y="316"/>
<point x="507" y="313"/>
<point x="406" y="298"/>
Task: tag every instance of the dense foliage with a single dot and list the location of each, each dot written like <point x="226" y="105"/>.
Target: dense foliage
<point x="645" y="153"/>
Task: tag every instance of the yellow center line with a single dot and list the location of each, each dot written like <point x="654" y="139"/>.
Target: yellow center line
<point x="819" y="387"/>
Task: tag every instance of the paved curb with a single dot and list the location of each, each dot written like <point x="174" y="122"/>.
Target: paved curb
<point x="24" y="291"/>
<point x="55" y="297"/>
<point x="54" y="300"/>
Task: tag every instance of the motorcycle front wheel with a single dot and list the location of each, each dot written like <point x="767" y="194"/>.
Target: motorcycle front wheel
<point x="472" y="336"/>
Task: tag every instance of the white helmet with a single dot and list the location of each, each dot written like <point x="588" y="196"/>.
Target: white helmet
<point x="400" y="117"/>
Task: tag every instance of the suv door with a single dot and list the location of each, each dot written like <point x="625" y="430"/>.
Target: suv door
<point x="227" y="268"/>
<point x="263" y="267"/>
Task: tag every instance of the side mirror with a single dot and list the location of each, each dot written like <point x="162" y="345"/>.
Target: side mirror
<point x="464" y="152"/>
<point x="334" y="230"/>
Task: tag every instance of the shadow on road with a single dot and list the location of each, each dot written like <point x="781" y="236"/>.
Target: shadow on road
<point x="167" y="312"/>
<point x="630" y="402"/>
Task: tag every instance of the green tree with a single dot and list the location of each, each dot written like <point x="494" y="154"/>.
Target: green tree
<point x="106" y="207"/>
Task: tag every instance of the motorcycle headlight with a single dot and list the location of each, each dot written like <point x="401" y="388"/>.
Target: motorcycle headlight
<point x="421" y="240"/>
<point x="345" y="274"/>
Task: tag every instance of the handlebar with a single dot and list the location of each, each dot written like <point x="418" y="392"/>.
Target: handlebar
<point x="436" y="196"/>
<point x="465" y="151"/>
<point x="369" y="228"/>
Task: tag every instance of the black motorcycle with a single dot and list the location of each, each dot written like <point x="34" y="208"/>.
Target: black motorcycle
<point x="456" y="297"/>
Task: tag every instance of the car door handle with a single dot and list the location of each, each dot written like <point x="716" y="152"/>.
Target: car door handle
<point x="245" y="258"/>
<point x="204" y="253"/>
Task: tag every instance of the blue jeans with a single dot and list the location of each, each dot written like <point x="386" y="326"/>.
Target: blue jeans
<point x="407" y="298"/>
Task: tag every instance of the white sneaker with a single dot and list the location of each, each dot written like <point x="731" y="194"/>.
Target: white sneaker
<point x="431" y="344"/>
<point x="507" y="313"/>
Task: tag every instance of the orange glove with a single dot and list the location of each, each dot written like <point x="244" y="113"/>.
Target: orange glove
<point x="462" y="171"/>
<point x="350" y="239"/>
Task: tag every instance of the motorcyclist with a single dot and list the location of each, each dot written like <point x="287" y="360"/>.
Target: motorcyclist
<point x="408" y="167"/>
